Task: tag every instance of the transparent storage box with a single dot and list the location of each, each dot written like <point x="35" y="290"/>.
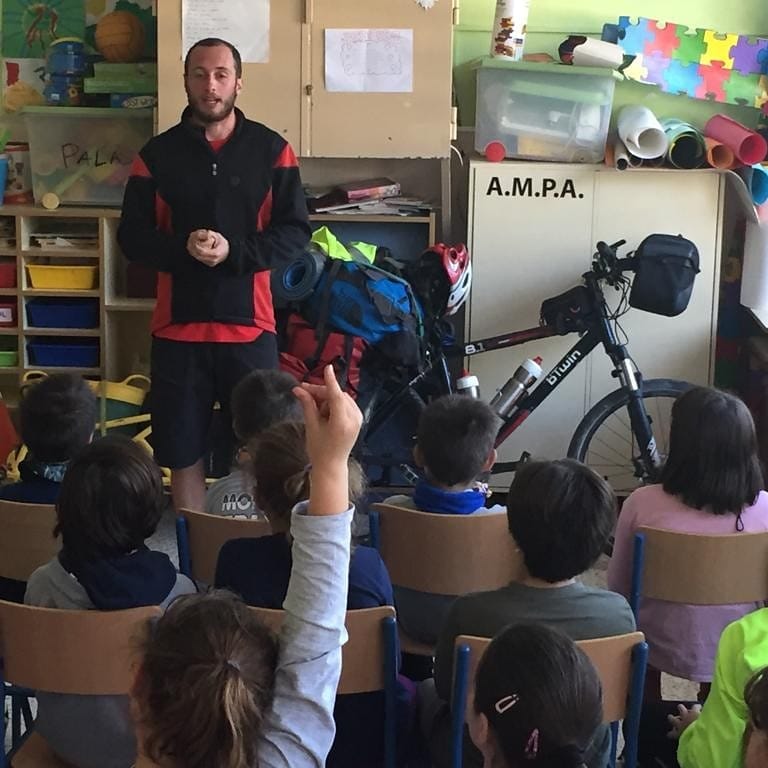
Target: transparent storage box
<point x="542" y="111"/>
<point x="83" y="155"/>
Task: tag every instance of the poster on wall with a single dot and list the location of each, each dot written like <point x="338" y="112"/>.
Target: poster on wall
<point x="369" y="60"/>
<point x="142" y="9"/>
<point x="244" y="23"/>
<point x="30" y="25"/>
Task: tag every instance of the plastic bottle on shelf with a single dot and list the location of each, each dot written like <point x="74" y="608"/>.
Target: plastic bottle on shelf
<point x="506" y="398"/>
<point x="468" y="385"/>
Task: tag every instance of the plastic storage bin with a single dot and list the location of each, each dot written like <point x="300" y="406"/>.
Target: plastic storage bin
<point x="63" y="313"/>
<point x="542" y="111"/>
<point x="8" y="275"/>
<point x="9" y="358"/>
<point x="64" y="352"/>
<point x="83" y="155"/>
<point x="62" y="278"/>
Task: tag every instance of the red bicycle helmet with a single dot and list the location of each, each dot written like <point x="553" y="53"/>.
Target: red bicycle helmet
<point x="441" y="278"/>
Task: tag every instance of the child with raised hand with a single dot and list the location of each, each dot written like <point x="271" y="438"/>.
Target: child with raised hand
<point x="111" y="501"/>
<point x="537" y="701"/>
<point x="211" y="693"/>
<point x="710" y="484"/>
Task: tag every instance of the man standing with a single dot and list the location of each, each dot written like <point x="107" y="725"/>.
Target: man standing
<point x="213" y="204"/>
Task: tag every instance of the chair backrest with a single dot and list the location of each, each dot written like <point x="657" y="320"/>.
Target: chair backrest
<point x="701" y="570"/>
<point x="200" y="536"/>
<point x="26" y="538"/>
<point x="372" y="641"/>
<point x="74" y="652"/>
<point x="620" y="662"/>
<point x="445" y="554"/>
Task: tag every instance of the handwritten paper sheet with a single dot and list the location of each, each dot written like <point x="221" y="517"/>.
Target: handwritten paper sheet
<point x="369" y="60"/>
<point x="244" y="23"/>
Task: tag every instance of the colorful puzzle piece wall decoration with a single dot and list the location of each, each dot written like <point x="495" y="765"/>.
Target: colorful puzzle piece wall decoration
<point x="700" y="63"/>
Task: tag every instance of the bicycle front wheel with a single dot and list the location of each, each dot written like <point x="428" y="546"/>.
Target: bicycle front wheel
<point x="604" y="439"/>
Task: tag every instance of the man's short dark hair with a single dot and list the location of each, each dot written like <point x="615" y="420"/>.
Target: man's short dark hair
<point x="713" y="461"/>
<point x="455" y="437"/>
<point x="560" y="514"/>
<point x="57" y="416"/>
<point x="212" y="42"/>
<point x="261" y="399"/>
<point x="111" y="500"/>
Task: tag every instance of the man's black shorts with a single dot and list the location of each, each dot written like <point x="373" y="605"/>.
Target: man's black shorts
<point x="187" y="379"/>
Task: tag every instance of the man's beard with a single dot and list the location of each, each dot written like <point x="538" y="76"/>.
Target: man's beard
<point x="207" y="117"/>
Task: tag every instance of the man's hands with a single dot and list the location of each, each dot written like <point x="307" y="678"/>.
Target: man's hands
<point x="207" y="246"/>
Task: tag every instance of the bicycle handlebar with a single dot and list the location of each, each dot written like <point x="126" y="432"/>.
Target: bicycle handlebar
<point x="607" y="266"/>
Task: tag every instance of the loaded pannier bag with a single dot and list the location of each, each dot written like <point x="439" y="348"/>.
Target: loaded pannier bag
<point x="305" y="354"/>
<point x="665" y="268"/>
<point x="568" y="312"/>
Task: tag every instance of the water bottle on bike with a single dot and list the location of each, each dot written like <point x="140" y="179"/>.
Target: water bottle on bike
<point x="469" y="385"/>
<point x="506" y="398"/>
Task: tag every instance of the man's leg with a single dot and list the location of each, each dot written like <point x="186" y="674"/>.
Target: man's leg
<point x="182" y="403"/>
<point x="188" y="487"/>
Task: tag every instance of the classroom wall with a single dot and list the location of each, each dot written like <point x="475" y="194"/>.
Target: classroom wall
<point x="551" y="21"/>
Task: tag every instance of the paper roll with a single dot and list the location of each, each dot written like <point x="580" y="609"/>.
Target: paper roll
<point x="686" y="144"/>
<point x="622" y="157"/>
<point x="718" y="155"/>
<point x="754" y="281"/>
<point x="756" y="180"/>
<point x="509" y="28"/>
<point x="641" y="132"/>
<point x="748" y="146"/>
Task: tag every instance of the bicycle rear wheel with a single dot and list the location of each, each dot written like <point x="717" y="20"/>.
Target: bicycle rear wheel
<point x="605" y="442"/>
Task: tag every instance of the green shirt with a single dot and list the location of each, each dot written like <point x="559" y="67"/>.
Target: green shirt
<point x="715" y="739"/>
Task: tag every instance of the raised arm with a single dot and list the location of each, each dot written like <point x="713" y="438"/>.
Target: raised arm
<point x="299" y="730"/>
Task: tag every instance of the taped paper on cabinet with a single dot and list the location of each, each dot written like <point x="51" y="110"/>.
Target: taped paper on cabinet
<point x="369" y="60"/>
<point x="244" y="23"/>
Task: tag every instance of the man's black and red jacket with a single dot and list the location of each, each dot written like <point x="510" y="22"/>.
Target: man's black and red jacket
<point x="249" y="191"/>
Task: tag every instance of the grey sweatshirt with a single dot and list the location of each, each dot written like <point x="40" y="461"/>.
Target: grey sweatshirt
<point x="87" y="731"/>
<point x="299" y="730"/>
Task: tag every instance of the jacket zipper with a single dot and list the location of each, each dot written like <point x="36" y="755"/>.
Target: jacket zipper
<point x="213" y="169"/>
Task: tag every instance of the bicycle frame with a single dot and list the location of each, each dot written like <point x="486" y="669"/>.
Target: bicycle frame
<point x="599" y="331"/>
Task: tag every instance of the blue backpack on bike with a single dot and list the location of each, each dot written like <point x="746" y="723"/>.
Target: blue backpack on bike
<point x="359" y="299"/>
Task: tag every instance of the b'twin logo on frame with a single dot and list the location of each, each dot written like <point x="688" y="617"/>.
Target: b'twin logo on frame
<point x="564" y="367"/>
<point x="527" y="186"/>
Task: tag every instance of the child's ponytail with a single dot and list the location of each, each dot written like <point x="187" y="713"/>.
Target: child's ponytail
<point x="206" y="683"/>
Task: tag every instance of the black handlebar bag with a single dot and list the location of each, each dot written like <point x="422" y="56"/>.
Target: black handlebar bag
<point x="665" y="268"/>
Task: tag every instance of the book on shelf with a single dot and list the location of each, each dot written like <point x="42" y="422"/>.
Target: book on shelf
<point x="368" y="189"/>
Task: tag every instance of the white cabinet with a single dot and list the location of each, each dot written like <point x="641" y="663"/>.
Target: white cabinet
<point x="532" y="232"/>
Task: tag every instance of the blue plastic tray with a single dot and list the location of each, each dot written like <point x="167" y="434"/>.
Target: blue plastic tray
<point x="64" y="353"/>
<point x="63" y="313"/>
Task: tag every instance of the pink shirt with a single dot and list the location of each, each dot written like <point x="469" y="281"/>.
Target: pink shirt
<point x="682" y="638"/>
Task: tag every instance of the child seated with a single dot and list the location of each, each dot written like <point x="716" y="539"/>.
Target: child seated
<point x="212" y="688"/>
<point x="260" y="399"/>
<point x="111" y="500"/>
<point x="537" y="700"/>
<point x="259" y="569"/>
<point x="57" y="416"/>
<point x="711" y="484"/>
<point x="454" y="447"/>
<point x="560" y="514"/>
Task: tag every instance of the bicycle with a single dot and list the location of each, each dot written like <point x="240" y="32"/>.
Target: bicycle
<point x="617" y="437"/>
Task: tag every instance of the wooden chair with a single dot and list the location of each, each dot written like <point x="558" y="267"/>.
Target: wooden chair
<point x="200" y="537"/>
<point x="698" y="569"/>
<point x="443" y="554"/>
<point x="368" y="661"/>
<point x="69" y="652"/>
<point x="26" y="538"/>
<point x="620" y="662"/>
<point x="26" y="543"/>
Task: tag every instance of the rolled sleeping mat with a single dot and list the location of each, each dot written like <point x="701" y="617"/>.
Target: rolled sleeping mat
<point x="296" y="280"/>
